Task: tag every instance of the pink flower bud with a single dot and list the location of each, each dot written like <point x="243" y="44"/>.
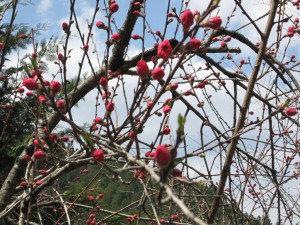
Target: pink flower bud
<point x="23" y="184"/>
<point x="291" y="31"/>
<point x="132" y="135"/>
<point x="39" y="154"/>
<point x="147" y="154"/>
<point x="55" y="86"/>
<point x="157" y="33"/>
<point x="60" y="57"/>
<point x="30" y="84"/>
<point x="38" y="143"/>
<point x="188" y="93"/>
<point x="290" y="111"/>
<point x="65" y="26"/>
<point x="116" y="37"/>
<point x="86" y="47"/>
<point x="162" y="221"/>
<point x="42" y="99"/>
<point x="27" y="158"/>
<point x="162" y="156"/>
<point x="137" y="4"/>
<point x="213" y="22"/>
<point x="114" y="7"/>
<point x="166" y="131"/>
<point x="166" y="109"/>
<point x="158" y="73"/>
<point x="135" y="36"/>
<point x="23" y="36"/>
<point x="94" y="128"/>
<point x="103" y="82"/>
<point x="227" y="39"/>
<point x="193" y="44"/>
<point x="187" y="18"/>
<point x="136" y="13"/>
<point x="98" y="155"/>
<point x="53" y="136"/>
<point x="223" y="44"/>
<point x="100" y="25"/>
<point x="150" y="105"/>
<point x="201" y="84"/>
<point x="142" y="68"/>
<point x="90" y="198"/>
<point x="60" y="104"/>
<point x="175" y="217"/>
<point x="110" y="107"/>
<point x="173" y="86"/>
<point x="64" y="138"/>
<point x="21" y="90"/>
<point x="165" y="49"/>
<point x="98" y="120"/>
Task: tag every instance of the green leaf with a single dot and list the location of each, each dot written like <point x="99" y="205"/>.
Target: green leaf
<point x="181" y="122"/>
<point x="87" y="138"/>
<point x="287" y="102"/>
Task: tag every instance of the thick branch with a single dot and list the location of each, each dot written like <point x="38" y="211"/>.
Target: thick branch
<point x="117" y="58"/>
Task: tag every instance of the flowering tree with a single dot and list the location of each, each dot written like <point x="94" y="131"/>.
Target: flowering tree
<point x="197" y="104"/>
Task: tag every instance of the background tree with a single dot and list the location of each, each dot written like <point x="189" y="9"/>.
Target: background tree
<point x="194" y="123"/>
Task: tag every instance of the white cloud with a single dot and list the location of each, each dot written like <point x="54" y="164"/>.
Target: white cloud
<point x="44" y="6"/>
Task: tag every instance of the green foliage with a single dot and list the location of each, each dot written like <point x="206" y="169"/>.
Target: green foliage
<point x="13" y="42"/>
<point x="117" y="195"/>
<point x="20" y="122"/>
